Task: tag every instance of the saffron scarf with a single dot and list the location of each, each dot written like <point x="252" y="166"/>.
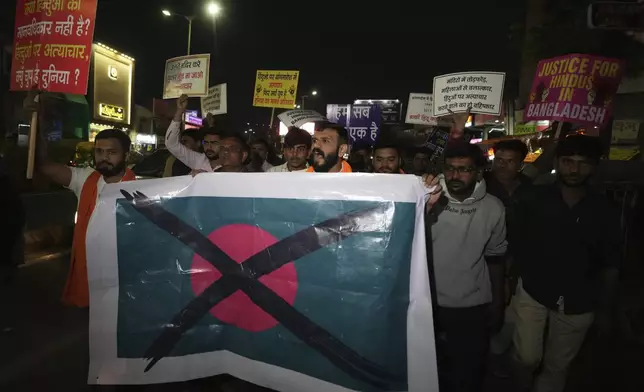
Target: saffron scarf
<point x="346" y="168"/>
<point x="76" y="292"/>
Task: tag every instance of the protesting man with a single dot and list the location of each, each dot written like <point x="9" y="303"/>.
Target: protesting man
<point x="297" y="149"/>
<point x="360" y="157"/>
<point x="330" y="144"/>
<point x="110" y="150"/>
<point x="569" y="278"/>
<point x="259" y="154"/>
<point x="420" y="162"/>
<point x="469" y="245"/>
<point x="234" y="151"/>
<point x="174" y="167"/>
<point x="387" y="159"/>
<point x="505" y="181"/>
<point x="207" y="161"/>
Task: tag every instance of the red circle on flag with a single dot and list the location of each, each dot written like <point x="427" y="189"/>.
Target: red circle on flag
<point x="239" y="242"/>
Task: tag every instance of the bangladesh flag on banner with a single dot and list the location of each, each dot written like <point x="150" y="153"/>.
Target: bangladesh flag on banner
<point x="314" y="287"/>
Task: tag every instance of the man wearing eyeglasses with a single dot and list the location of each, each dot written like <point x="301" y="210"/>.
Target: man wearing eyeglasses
<point x="297" y="148"/>
<point x="208" y="161"/>
<point x="469" y="246"/>
<point x="233" y="151"/>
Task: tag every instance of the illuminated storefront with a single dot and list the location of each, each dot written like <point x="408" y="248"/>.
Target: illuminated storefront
<point x="110" y="90"/>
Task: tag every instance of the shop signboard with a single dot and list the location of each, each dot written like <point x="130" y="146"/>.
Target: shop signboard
<point x="480" y="91"/>
<point x="575" y="88"/>
<point x="276" y="89"/>
<point x="111" y="86"/>
<point x="625" y="132"/>
<point x="192" y="117"/>
<point x="53" y="45"/>
<point x="186" y="75"/>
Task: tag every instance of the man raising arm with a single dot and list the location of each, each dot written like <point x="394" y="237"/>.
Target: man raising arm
<point x="110" y="149"/>
<point x="207" y="161"/>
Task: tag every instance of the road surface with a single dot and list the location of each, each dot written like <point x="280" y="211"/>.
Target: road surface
<point x="44" y="346"/>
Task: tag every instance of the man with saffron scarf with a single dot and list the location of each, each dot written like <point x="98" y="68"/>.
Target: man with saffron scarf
<point x="330" y="144"/>
<point x="110" y="149"/>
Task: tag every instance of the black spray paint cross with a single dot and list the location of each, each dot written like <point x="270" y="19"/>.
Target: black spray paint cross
<point x="244" y="276"/>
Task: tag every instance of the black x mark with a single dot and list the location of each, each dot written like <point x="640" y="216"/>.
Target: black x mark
<point x="244" y="277"/>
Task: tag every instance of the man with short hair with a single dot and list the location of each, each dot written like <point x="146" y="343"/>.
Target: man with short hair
<point x="173" y="166"/>
<point x="110" y="150"/>
<point x="387" y="159"/>
<point x="234" y="151"/>
<point x="469" y="246"/>
<point x="568" y="279"/>
<point x="297" y="149"/>
<point x="207" y="161"/>
<point x="259" y="152"/>
<point x="360" y="158"/>
<point x="330" y="144"/>
<point x="420" y="162"/>
<point x="506" y="182"/>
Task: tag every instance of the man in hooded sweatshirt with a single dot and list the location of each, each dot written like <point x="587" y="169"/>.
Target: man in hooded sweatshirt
<point x="469" y="246"/>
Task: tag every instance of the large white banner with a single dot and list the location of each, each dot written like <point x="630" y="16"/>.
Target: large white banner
<point x="186" y="75"/>
<point x="217" y="100"/>
<point x="482" y="91"/>
<point x="271" y="278"/>
<point x="419" y="109"/>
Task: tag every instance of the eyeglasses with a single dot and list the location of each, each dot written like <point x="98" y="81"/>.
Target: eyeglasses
<point x="459" y="169"/>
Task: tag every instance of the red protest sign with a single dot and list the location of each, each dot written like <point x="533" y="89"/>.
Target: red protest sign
<point x="53" y="45"/>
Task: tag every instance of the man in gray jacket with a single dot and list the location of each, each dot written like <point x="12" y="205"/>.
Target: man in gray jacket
<point x="469" y="246"/>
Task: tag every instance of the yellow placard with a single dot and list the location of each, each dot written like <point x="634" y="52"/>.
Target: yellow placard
<point x="276" y="89"/>
<point x="623" y="154"/>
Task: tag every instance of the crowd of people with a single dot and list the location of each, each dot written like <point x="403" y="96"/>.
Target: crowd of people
<point x="518" y="270"/>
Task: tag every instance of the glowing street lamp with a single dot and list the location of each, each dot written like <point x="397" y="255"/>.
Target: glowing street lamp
<point x="213" y="9"/>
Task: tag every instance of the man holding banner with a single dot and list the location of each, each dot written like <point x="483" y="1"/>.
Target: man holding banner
<point x="330" y="144"/>
<point x="110" y="150"/>
<point x="297" y="148"/>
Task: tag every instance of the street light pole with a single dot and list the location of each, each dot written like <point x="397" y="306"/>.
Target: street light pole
<point x="189" y="19"/>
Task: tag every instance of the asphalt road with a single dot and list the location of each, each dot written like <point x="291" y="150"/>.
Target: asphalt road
<point x="44" y="347"/>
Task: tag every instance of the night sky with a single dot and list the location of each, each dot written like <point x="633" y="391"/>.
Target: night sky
<point x="344" y="49"/>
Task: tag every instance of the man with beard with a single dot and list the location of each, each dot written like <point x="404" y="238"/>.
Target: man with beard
<point x="207" y="161"/>
<point x="297" y="149"/>
<point x="387" y="159"/>
<point x="568" y="278"/>
<point x="110" y="149"/>
<point x="330" y="144"/>
<point x="468" y="240"/>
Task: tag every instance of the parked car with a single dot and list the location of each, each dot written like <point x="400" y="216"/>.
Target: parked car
<point x="153" y="165"/>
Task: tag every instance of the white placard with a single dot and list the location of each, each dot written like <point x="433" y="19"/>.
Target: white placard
<point x="483" y="91"/>
<point x="216" y="102"/>
<point x="186" y="75"/>
<point x="108" y="281"/>
<point x="297" y="118"/>
<point x="419" y="109"/>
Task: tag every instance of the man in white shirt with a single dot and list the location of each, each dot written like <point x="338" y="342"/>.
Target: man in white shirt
<point x="208" y="161"/>
<point x="297" y="149"/>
